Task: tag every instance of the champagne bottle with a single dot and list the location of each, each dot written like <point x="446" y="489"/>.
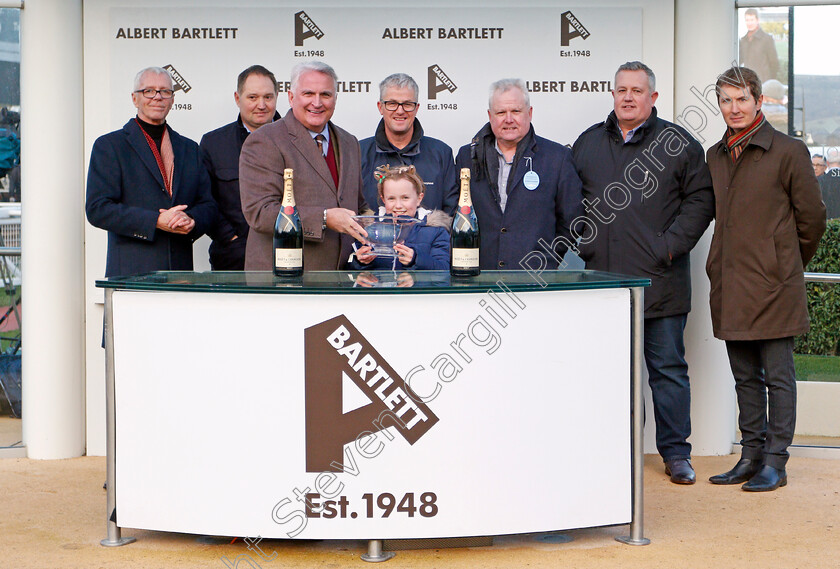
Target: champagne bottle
<point x="288" y="233"/>
<point x="464" y="238"/>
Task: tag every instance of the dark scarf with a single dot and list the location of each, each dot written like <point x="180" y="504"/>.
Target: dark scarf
<point x="737" y="141"/>
<point x="485" y="158"/>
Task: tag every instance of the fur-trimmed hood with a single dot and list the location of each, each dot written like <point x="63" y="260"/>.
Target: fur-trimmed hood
<point x="432" y="217"/>
<point x="436" y="218"/>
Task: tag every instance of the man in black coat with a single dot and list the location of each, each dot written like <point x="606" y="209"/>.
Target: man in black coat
<point x="147" y="186"/>
<point x="256" y="97"/>
<point x="830" y="184"/>
<point x="648" y="195"/>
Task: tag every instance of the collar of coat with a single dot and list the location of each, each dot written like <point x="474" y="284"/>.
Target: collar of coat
<point x="245" y="130"/>
<point x="135" y="138"/>
<point x="299" y="134"/>
<point x="762" y="138"/>
<point x="411" y="149"/>
<point x="611" y="124"/>
<point x="485" y="158"/>
<point x="756" y="34"/>
<point x="296" y="127"/>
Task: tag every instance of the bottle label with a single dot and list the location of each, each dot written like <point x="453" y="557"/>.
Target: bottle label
<point x="288" y="198"/>
<point x="465" y="200"/>
<point x="288" y="258"/>
<point x="466" y="258"/>
<point x="288" y="192"/>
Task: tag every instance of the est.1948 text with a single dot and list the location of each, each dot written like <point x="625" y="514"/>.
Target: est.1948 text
<point x="380" y="505"/>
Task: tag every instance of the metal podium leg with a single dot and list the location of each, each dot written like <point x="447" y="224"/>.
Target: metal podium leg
<point x="113" y="539"/>
<point x="375" y="554"/>
<point x="636" y="536"/>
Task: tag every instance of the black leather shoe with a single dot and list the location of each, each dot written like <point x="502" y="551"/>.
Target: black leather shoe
<point x="743" y="471"/>
<point x="766" y="480"/>
<point x="680" y="471"/>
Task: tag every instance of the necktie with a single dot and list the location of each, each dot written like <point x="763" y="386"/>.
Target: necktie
<point x="328" y="156"/>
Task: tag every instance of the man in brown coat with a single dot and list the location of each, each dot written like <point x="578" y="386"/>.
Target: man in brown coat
<point x="327" y="175"/>
<point x="757" y="48"/>
<point x="768" y="222"/>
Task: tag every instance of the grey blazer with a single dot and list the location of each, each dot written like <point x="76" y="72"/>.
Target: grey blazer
<point x="287" y="144"/>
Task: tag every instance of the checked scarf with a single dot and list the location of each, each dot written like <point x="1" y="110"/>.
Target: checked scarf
<point x="737" y="141"/>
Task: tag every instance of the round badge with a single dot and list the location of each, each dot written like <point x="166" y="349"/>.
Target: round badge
<point x="531" y="180"/>
<point x="465" y="209"/>
<point x="288" y="210"/>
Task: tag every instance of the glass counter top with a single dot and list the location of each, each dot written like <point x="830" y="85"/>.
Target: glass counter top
<point x="368" y="282"/>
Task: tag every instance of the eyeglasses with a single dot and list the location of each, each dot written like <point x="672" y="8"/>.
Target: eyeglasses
<point x="152" y="93"/>
<point x="407" y="106"/>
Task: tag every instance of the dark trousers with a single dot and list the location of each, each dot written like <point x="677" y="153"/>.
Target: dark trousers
<point x="228" y="256"/>
<point x="665" y="358"/>
<point x="764" y="373"/>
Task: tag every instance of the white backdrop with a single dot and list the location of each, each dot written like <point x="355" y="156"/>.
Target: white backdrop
<point x="352" y="42"/>
<point x="364" y="45"/>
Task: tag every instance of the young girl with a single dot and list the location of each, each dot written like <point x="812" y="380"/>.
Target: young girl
<point x="427" y="244"/>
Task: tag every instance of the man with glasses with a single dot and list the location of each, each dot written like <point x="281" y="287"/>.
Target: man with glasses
<point x="819" y="163"/>
<point x="256" y="97"/>
<point x="399" y="140"/>
<point x="147" y="186"/>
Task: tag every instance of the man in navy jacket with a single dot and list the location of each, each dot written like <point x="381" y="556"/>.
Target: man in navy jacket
<point x="400" y="141"/>
<point x="524" y="188"/>
<point x="256" y="97"/>
<point x="147" y="186"/>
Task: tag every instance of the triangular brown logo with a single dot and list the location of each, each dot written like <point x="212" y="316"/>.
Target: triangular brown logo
<point x="335" y="351"/>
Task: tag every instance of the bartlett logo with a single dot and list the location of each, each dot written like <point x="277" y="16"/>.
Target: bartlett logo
<point x="571" y="28"/>
<point x="351" y="392"/>
<point x="178" y="80"/>
<point x="439" y="81"/>
<point x="305" y="28"/>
